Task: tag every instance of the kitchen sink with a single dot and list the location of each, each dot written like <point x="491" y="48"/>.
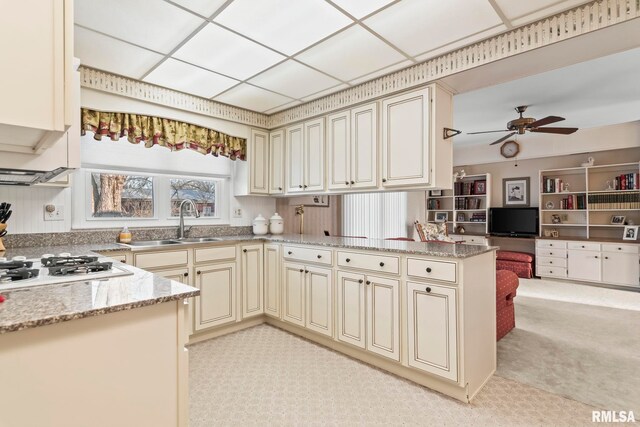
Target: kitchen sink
<point x="154" y="243"/>
<point x="200" y="239"/>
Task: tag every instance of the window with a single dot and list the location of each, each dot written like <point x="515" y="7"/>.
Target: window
<point x="121" y="196"/>
<point x="202" y="192"/>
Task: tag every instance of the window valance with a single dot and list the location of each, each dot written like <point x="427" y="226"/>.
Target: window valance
<point x="172" y="134"/>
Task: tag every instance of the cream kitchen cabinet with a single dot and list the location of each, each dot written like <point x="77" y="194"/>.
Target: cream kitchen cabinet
<point x="432" y="329"/>
<point x="178" y="274"/>
<point x="216" y="304"/>
<point x="251" y="269"/>
<point x="272" y="280"/>
<point x="369" y="313"/>
<point x="258" y="158"/>
<point x="308" y="297"/>
<point x="352" y="139"/>
<point x="305" y="157"/>
<point x="414" y="151"/>
<point x="276" y="162"/>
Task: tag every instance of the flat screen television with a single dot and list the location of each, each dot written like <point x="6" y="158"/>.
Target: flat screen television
<point x="515" y="222"/>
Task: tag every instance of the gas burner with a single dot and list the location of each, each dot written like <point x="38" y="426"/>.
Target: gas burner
<point x="71" y="269"/>
<point x="17" y="273"/>
<point x="67" y="261"/>
<point x="11" y="265"/>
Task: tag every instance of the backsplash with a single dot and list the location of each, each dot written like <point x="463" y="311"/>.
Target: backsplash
<point x="28" y="208"/>
<point x="109" y="235"/>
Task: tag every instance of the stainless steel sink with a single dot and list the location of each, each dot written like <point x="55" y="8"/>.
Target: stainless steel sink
<point x="154" y="243"/>
<point x="200" y="239"/>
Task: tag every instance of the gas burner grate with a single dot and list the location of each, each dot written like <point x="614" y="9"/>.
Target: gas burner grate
<point x="20" y="273"/>
<point x="12" y="265"/>
<point x="91" y="267"/>
<point x="67" y="261"/>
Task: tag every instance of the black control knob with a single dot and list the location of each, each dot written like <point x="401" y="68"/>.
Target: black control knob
<point x="428" y="269"/>
<point x="428" y="289"/>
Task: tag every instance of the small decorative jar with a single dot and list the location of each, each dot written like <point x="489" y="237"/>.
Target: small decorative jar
<point x="276" y="224"/>
<point x="260" y="226"/>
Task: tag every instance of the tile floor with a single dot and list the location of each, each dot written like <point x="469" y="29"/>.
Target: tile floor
<point x="265" y="376"/>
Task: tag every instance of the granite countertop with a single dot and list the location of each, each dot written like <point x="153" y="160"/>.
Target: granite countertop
<point x="44" y="305"/>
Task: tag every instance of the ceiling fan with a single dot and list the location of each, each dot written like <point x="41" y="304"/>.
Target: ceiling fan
<point x="522" y="124"/>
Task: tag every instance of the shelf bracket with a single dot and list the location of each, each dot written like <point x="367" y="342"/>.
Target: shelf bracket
<point x="450" y="133"/>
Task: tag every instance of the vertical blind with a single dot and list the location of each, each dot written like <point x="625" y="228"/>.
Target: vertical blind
<point x="375" y="215"/>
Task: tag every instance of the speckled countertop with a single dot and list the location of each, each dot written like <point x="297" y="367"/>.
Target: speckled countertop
<point x="44" y="305"/>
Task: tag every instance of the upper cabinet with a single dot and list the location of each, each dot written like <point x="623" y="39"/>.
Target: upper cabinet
<point x="258" y="157"/>
<point x="352" y="139"/>
<point x="414" y="152"/>
<point x="276" y="162"/>
<point x="305" y="157"/>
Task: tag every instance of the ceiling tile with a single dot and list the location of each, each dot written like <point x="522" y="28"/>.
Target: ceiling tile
<point x="202" y="7"/>
<point x="350" y="54"/>
<point x="416" y="26"/>
<point x="283" y="107"/>
<point x="293" y="79"/>
<point x="387" y="70"/>
<point x="228" y="53"/>
<point x="252" y="98"/>
<point x="160" y="27"/>
<point x="108" y="54"/>
<point x="287" y="26"/>
<point x="325" y="92"/>
<point x="521" y="13"/>
<point x="187" y="78"/>
<point x="361" y="8"/>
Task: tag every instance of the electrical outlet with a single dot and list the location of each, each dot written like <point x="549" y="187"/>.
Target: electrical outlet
<point x="237" y="213"/>
<point x="53" y="212"/>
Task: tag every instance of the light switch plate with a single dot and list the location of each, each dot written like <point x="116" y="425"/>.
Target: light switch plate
<point x="53" y="212"/>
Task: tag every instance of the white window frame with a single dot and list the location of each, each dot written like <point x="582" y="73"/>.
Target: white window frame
<point x="167" y="182"/>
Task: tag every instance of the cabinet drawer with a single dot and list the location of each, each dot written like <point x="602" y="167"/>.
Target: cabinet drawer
<point x="428" y="269"/>
<point x="627" y="249"/>
<point x="217" y="253"/>
<point x="161" y="259"/>
<point x="119" y="257"/>
<point x="552" y="262"/>
<point x="555" y="244"/>
<point x="548" y="271"/>
<point x="584" y="246"/>
<point x="373" y="262"/>
<point x="319" y="256"/>
<point x="556" y="253"/>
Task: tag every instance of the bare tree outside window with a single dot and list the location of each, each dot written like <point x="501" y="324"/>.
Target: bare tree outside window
<point x="121" y="196"/>
<point x="202" y="192"/>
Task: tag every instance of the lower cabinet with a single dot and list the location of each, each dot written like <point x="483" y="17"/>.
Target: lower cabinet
<point x="620" y="268"/>
<point x="432" y="329"/>
<point x="178" y="274"/>
<point x="584" y="265"/>
<point x="251" y="267"/>
<point x="369" y="313"/>
<point x="272" y="280"/>
<point x="216" y="304"/>
<point x="307" y="297"/>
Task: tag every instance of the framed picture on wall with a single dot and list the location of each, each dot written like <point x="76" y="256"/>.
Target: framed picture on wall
<point x="515" y="192"/>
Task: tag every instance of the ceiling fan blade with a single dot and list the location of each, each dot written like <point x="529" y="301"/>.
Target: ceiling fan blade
<point x="487" y="131"/>
<point x="561" y="131"/>
<point x="545" y="121"/>
<point x="504" y="138"/>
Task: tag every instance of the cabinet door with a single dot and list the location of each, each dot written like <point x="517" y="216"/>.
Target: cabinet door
<point x="295" y="158"/>
<point x="339" y="150"/>
<point x="432" y="329"/>
<point x="272" y="280"/>
<point x="258" y="157"/>
<point x="314" y="155"/>
<point x="405" y="139"/>
<point x="383" y="317"/>
<point x="319" y="291"/>
<point x="276" y="162"/>
<point x="351" y="309"/>
<point x="620" y="268"/>
<point x="364" y="146"/>
<point x="216" y="304"/>
<point x="293" y="285"/>
<point x="252" y="289"/>
<point x="584" y="265"/>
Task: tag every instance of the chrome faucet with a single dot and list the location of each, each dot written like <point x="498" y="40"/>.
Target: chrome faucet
<point x="181" y="231"/>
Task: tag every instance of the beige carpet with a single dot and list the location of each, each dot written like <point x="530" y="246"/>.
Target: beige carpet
<point x="585" y="352"/>
<point x="265" y="376"/>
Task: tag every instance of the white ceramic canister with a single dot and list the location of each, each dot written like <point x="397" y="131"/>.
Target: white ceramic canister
<point x="276" y="224"/>
<point x="260" y="226"/>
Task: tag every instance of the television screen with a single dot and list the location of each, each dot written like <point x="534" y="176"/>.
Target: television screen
<point x="513" y="221"/>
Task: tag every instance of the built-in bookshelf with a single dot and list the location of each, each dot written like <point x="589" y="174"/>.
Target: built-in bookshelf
<point x="466" y="205"/>
<point x="583" y="201"/>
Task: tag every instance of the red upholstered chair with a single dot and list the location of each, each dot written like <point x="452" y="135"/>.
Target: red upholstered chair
<point x="506" y="286"/>
<point x="520" y="263"/>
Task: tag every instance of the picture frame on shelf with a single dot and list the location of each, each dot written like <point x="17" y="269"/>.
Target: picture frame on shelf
<point x="441" y="217"/>
<point x="630" y="232"/>
<point x="460" y="217"/>
<point x="556" y="219"/>
<point x="435" y="193"/>
<point x="480" y="187"/>
<point x="617" y="219"/>
<point x="515" y="192"/>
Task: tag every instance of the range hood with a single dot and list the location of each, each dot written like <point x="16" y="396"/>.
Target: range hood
<point x="28" y="177"/>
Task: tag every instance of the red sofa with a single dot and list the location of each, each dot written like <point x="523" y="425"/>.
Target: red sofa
<point x="520" y="263"/>
<point x="506" y="286"/>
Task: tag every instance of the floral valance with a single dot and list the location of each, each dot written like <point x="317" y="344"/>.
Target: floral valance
<point x="168" y="133"/>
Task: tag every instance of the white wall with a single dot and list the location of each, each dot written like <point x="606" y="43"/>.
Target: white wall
<point x="28" y="208"/>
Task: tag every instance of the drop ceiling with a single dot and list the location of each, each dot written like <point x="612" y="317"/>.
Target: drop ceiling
<point x="269" y="55"/>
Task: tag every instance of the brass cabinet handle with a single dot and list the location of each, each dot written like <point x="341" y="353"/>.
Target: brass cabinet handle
<point x="301" y="270"/>
<point x="198" y="272"/>
<point x="353" y="182"/>
<point x="185" y="274"/>
<point x="244" y="250"/>
<point x="306" y="271"/>
<point x="368" y="282"/>
<point x="360" y="280"/>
